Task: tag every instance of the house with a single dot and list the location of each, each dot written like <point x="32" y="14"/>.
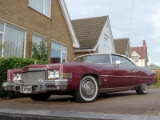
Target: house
<point x="140" y="55"/>
<point x="122" y="46"/>
<point x="94" y="35"/>
<point x="154" y="67"/>
<point x="23" y="22"/>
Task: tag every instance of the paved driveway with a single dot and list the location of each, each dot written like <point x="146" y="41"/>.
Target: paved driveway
<point x="116" y="103"/>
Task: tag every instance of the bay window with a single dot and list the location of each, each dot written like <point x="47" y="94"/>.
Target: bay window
<point x="58" y="53"/>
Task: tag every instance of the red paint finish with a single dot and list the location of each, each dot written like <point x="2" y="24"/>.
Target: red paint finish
<point x="107" y="75"/>
<point x="11" y="72"/>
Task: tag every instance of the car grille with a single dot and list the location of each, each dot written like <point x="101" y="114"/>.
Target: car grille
<point x="33" y="76"/>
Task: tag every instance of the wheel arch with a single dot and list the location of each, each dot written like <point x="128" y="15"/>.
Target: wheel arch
<point x="96" y="76"/>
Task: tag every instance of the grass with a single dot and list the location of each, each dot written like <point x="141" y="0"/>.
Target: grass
<point x="156" y="84"/>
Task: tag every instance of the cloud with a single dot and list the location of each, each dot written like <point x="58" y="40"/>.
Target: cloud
<point x="156" y="23"/>
<point x="86" y="8"/>
<point x="142" y="24"/>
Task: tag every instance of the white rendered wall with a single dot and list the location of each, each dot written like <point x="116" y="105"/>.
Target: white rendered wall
<point x="102" y="48"/>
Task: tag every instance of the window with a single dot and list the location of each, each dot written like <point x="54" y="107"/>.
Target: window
<point x="0" y="45"/>
<point x="37" y="39"/>
<point x="36" y="42"/>
<point x="106" y="40"/>
<point x="42" y="6"/>
<point x="14" y="39"/>
<point x="58" y="53"/>
<point x="135" y="58"/>
<point x="1" y="35"/>
<point x="94" y="59"/>
<point x="124" y="61"/>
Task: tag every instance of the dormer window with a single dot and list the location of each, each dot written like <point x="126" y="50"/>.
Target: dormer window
<point x="42" y="6"/>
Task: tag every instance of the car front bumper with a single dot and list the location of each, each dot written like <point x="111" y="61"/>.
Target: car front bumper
<point x="37" y="87"/>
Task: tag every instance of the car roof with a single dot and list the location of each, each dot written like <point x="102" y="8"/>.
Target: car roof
<point x="105" y="54"/>
<point x="101" y="54"/>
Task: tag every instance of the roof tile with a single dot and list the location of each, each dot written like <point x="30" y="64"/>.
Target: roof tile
<point x="88" y="31"/>
<point x="121" y="45"/>
<point x="140" y="51"/>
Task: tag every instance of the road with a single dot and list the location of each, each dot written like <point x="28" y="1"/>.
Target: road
<point x="127" y="102"/>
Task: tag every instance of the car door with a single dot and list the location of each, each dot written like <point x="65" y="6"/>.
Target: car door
<point x="123" y="74"/>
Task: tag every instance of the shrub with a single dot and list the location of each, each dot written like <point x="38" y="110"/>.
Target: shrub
<point x="11" y="63"/>
<point x="39" y="51"/>
<point x="158" y="82"/>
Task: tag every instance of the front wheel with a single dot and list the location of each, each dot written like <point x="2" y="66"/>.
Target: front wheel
<point x="40" y="96"/>
<point x="142" y="89"/>
<point x="88" y="90"/>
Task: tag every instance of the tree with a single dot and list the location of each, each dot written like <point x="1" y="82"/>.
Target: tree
<point x="39" y="51"/>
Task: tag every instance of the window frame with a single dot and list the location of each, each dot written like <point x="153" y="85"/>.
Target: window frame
<point x="106" y="38"/>
<point x="135" y="58"/>
<point x="88" y="59"/>
<point x="39" y="36"/>
<point x="3" y="36"/>
<point x="123" y="58"/>
<point x="61" y="51"/>
<point x="43" y="8"/>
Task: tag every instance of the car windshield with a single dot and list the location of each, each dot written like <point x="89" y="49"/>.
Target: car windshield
<point x="99" y="58"/>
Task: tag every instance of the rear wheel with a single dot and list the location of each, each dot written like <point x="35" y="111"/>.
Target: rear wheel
<point x="88" y="90"/>
<point x="142" y="89"/>
<point x="40" y="96"/>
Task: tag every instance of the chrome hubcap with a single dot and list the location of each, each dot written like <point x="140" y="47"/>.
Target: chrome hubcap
<point x="144" y="88"/>
<point x="88" y="88"/>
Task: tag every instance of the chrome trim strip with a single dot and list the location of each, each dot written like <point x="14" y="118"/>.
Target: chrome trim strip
<point x="33" y="69"/>
<point x="116" y="89"/>
<point x="41" y="85"/>
<point x="126" y="76"/>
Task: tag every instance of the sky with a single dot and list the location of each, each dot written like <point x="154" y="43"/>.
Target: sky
<point x="137" y="20"/>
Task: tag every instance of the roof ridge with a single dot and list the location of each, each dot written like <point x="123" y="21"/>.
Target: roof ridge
<point x="91" y="18"/>
<point x="89" y="30"/>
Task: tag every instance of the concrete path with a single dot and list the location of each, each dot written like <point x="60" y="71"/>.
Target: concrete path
<point x="122" y="106"/>
<point x="13" y="114"/>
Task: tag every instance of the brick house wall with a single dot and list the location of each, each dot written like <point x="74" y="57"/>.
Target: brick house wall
<point x="19" y="14"/>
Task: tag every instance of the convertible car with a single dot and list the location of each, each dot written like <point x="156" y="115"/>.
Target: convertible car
<point x="84" y="78"/>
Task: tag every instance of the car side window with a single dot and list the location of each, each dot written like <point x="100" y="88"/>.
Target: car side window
<point x="99" y="58"/>
<point x="124" y="61"/>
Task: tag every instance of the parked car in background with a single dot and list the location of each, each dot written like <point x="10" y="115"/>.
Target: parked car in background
<point x="84" y="78"/>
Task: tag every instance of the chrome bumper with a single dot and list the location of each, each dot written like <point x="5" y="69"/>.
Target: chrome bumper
<point x="37" y="87"/>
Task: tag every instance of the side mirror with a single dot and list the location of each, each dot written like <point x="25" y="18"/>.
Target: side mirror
<point x="118" y="62"/>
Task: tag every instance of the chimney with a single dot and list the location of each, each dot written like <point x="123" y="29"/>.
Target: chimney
<point x="144" y="45"/>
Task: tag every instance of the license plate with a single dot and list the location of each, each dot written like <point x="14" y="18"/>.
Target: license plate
<point x="27" y="89"/>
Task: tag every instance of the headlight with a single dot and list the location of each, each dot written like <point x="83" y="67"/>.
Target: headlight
<point x="53" y="74"/>
<point x="16" y="77"/>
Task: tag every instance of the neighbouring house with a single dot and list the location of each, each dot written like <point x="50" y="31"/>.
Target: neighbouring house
<point x="154" y="67"/>
<point x="23" y="22"/>
<point x="122" y="46"/>
<point x="94" y="35"/>
<point x="140" y="55"/>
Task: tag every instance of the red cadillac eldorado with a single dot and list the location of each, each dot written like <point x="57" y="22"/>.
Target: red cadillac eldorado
<point x="84" y="78"/>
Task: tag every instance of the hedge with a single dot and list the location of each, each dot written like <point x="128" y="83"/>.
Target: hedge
<point x="158" y="82"/>
<point x="11" y="63"/>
